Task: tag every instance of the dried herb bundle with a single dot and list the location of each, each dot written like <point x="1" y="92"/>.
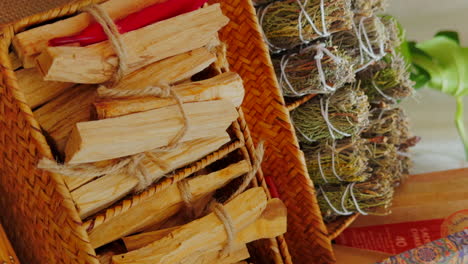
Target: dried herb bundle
<point x="343" y="114"/>
<point x="384" y="161"/>
<point x="388" y="80"/>
<point x="389" y="123"/>
<point x="366" y="43"/>
<point x="303" y="73"/>
<point x="393" y="32"/>
<point x="368" y="7"/>
<point x="290" y="23"/>
<point x="372" y="197"/>
<point x="335" y="162"/>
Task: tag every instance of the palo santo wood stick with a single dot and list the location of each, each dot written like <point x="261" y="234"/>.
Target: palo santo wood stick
<point x="101" y="193"/>
<point x="97" y="63"/>
<point x="162" y="206"/>
<point x="273" y="220"/>
<point x="30" y="43"/>
<point x="200" y="235"/>
<point x="58" y="117"/>
<point x="168" y="71"/>
<point x="36" y="90"/>
<point x="131" y="134"/>
<point x="272" y="223"/>
<point x="224" y="86"/>
<point x="240" y="253"/>
<point x="135" y="242"/>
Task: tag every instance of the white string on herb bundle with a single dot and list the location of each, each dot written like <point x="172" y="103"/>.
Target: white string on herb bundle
<point x="386" y="96"/>
<point x="331" y="128"/>
<point x="349" y="189"/>
<point x="333" y="149"/>
<point x="358" y="208"/>
<point x="366" y="47"/>
<point x="321" y="51"/>
<point x="338" y="212"/>
<point x="303" y="13"/>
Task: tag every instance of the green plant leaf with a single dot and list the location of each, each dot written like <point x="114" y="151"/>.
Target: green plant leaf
<point x="453" y="35"/>
<point x="420" y="76"/>
<point x="447" y="66"/>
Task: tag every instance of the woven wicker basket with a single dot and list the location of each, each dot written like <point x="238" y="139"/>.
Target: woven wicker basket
<point x="7" y="254"/>
<point x="268" y="118"/>
<point x="41" y="219"/>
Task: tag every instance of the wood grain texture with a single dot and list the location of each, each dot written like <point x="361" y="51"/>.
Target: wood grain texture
<point x="135" y="133"/>
<point x="168" y="71"/>
<point x="58" y="117"/>
<point x="162" y="206"/>
<point x="36" y="90"/>
<point x="30" y="43"/>
<point x="226" y="86"/>
<point x="99" y="194"/>
<point x="269" y="224"/>
<point x="97" y="63"/>
<point x="200" y="235"/>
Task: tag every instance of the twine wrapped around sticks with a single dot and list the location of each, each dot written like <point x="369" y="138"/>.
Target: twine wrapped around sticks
<point x="388" y="80"/>
<point x="334" y="162"/>
<point x="131" y="165"/>
<point x="366" y="43"/>
<point x="290" y="23"/>
<point x="216" y="207"/>
<point x="343" y="114"/>
<point x="314" y="69"/>
<point x="373" y="197"/>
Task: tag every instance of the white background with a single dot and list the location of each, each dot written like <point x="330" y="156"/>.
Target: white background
<point x="431" y="112"/>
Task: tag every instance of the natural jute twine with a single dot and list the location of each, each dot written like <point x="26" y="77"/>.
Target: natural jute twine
<point x="216" y="207"/>
<point x="132" y="165"/>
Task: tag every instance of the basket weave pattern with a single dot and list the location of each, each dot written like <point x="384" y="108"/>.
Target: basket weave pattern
<point x="268" y="120"/>
<point x="39" y="213"/>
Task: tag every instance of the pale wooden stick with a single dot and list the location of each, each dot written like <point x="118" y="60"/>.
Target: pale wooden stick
<point x="224" y="86"/>
<point x="101" y="193"/>
<point x="135" y="133"/>
<point x="32" y="42"/>
<point x="74" y="183"/>
<point x="58" y="117"/>
<point x="168" y="71"/>
<point x="36" y="90"/>
<point x="159" y="207"/>
<point x="273" y="220"/>
<point x="201" y="235"/>
<point x="239" y="253"/>
<point x="97" y="63"/>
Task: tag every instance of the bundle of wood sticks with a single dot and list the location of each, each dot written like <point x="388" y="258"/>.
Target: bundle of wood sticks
<point x="126" y="111"/>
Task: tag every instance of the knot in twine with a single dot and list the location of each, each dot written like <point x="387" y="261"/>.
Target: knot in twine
<point x="131" y="165"/>
<point x="216" y="207"/>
